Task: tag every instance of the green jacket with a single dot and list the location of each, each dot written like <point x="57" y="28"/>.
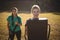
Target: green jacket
<point x="12" y="25"/>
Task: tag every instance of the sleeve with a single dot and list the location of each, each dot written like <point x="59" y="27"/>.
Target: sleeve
<point x="8" y="18"/>
<point x="19" y="20"/>
<point x="26" y="23"/>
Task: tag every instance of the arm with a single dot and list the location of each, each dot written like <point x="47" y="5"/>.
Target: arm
<point x="19" y="24"/>
<point x="26" y="29"/>
<point x="26" y="33"/>
<point x="8" y="25"/>
<point x="8" y="19"/>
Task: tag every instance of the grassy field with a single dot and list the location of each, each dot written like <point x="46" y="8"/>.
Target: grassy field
<point x="53" y="20"/>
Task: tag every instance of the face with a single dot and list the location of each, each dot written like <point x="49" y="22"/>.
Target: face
<point x="14" y="12"/>
<point x="35" y="12"/>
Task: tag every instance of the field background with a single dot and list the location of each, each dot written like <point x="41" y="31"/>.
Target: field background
<point x="53" y="20"/>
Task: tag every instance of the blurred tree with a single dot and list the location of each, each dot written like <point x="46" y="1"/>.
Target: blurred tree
<point x="25" y="5"/>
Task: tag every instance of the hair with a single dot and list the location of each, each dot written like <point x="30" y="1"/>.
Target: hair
<point x="14" y="8"/>
<point x="35" y="7"/>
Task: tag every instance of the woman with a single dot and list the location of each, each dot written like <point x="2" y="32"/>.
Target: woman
<point x="35" y="10"/>
<point x="14" y="23"/>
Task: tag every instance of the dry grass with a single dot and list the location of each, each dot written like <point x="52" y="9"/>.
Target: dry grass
<point x="53" y="20"/>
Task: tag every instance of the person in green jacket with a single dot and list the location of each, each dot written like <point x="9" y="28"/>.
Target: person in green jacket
<point x="14" y="23"/>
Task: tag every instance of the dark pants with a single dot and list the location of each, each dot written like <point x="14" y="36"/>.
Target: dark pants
<point x="12" y="34"/>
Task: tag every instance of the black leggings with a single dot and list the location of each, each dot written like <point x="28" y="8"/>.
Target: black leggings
<point x="12" y="34"/>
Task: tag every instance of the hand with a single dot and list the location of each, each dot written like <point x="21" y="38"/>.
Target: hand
<point x="16" y="23"/>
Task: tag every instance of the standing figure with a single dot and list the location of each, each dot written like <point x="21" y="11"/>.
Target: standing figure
<point x="35" y="10"/>
<point x="14" y="23"/>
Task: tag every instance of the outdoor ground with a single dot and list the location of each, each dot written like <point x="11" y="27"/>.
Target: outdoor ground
<point x="53" y="20"/>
